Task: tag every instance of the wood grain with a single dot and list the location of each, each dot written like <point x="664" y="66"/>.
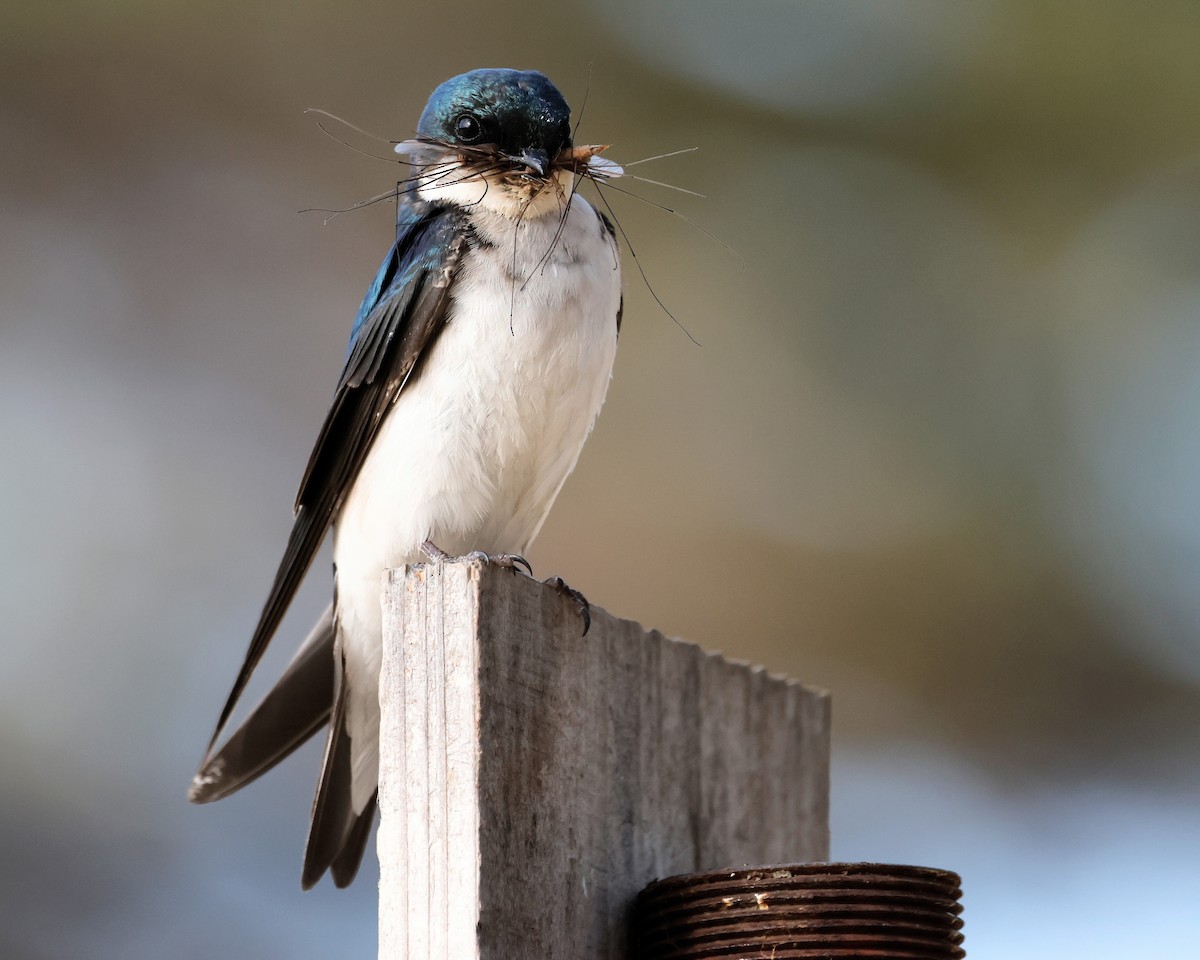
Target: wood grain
<point x="532" y="781"/>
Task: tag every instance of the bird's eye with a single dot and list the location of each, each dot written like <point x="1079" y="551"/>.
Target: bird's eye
<point x="467" y="128"/>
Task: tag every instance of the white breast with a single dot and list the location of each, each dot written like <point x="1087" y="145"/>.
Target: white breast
<point x="477" y="447"/>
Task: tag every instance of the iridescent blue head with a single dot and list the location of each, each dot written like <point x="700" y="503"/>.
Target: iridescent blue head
<point x="515" y="117"/>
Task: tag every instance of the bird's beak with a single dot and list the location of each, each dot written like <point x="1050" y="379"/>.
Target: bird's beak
<point x="536" y="161"/>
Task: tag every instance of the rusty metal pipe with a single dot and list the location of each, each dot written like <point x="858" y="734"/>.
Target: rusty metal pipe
<point x="807" y="910"/>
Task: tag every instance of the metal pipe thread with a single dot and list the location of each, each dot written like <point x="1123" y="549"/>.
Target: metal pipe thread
<point x="808" y="910"/>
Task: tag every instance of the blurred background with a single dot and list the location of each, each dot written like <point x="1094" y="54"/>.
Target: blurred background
<point x="941" y="434"/>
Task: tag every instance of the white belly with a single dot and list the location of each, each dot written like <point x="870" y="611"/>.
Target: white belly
<point x="477" y="447"/>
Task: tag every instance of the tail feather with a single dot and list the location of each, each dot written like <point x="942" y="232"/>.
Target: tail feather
<point x="338" y="835"/>
<point x="295" y="708"/>
<point x="345" y="865"/>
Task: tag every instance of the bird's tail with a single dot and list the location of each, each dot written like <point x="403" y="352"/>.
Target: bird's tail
<point x="338" y="835"/>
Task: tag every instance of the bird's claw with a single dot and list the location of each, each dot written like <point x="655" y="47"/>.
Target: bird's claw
<point x="436" y="554"/>
<point x="513" y="560"/>
<point x="510" y="560"/>
<point x="580" y="601"/>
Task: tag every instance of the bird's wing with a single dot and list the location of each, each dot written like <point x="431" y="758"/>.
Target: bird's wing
<point x="296" y="707"/>
<point x="401" y="315"/>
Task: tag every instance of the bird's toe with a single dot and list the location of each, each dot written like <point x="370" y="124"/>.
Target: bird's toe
<point x="580" y="601"/>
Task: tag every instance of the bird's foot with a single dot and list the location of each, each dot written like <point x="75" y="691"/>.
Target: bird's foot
<point x="580" y="601"/>
<point x="511" y="560"/>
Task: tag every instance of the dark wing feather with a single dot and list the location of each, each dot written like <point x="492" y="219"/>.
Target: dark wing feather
<point x="402" y="313"/>
<point x="295" y="708"/>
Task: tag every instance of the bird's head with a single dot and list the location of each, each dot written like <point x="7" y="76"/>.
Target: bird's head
<point x="500" y="139"/>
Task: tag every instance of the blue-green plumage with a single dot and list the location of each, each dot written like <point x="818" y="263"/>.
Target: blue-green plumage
<point x="518" y="111"/>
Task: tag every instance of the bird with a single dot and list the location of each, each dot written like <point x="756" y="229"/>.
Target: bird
<point x="478" y="362"/>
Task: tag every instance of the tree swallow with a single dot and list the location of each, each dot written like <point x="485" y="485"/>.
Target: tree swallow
<point x="477" y="364"/>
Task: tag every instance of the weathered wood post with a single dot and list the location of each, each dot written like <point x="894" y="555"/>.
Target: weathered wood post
<point x="532" y="781"/>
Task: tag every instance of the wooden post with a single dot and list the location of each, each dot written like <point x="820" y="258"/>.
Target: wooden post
<point x="533" y="780"/>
